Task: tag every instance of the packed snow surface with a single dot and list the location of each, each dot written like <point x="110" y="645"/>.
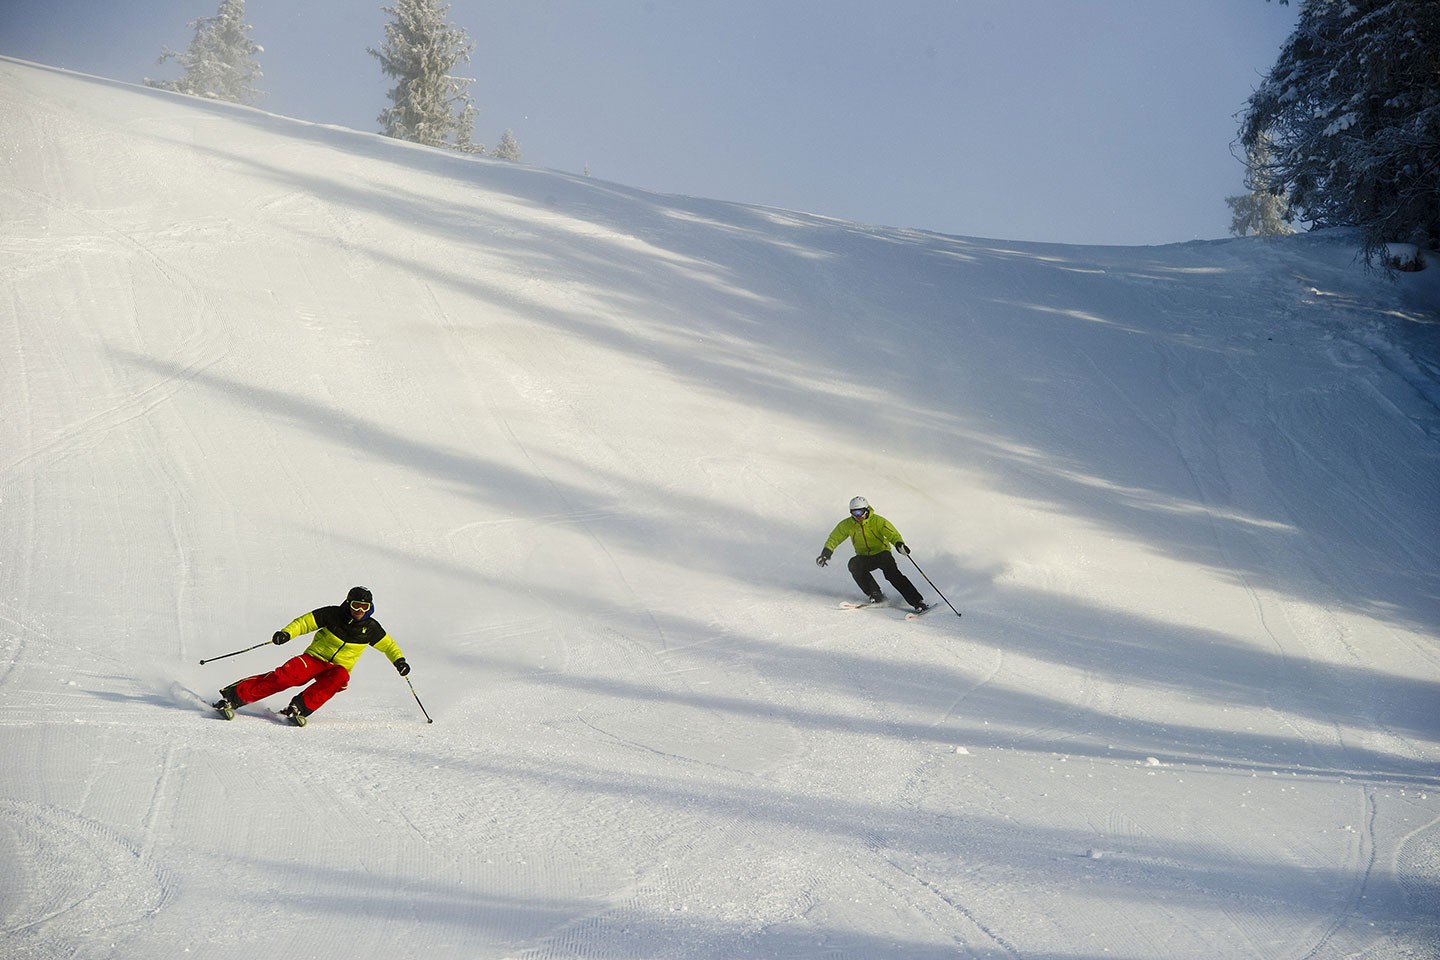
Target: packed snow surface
<point x="584" y="443"/>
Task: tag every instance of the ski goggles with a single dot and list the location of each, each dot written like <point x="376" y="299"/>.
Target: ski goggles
<point x="860" y="514"/>
<point x="359" y="606"/>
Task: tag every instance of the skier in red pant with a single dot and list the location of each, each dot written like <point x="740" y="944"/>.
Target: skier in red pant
<point x="341" y="635"/>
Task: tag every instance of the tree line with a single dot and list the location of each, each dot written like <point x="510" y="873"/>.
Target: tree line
<point x="422" y="51"/>
<point x="1343" y="131"/>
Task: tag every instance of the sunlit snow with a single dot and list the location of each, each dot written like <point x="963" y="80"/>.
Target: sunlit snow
<point x="584" y="443"/>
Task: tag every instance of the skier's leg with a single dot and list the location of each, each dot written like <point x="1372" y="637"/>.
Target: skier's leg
<point x="899" y="581"/>
<point x="291" y="673"/>
<point x="860" y="568"/>
<point x="328" y="682"/>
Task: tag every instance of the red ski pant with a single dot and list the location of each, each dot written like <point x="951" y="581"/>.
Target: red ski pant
<point x="329" y="679"/>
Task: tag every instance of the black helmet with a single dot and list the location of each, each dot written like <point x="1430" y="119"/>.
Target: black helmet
<point x="359" y="593"/>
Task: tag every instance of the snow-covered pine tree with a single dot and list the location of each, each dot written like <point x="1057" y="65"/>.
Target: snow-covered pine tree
<point x="1263" y="211"/>
<point x="428" y="104"/>
<point x="220" y="62"/>
<point x="1353" y="107"/>
<point x="508" y="147"/>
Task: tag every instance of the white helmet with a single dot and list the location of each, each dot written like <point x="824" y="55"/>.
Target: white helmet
<point x="859" y="503"/>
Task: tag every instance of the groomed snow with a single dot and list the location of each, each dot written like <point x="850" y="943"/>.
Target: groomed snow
<point x="584" y="442"/>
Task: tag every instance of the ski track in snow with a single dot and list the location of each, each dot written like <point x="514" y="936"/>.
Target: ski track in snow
<point x="584" y="441"/>
<point x="72" y="880"/>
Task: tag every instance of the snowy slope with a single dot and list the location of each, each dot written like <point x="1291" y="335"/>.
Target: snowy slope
<point x="584" y="441"/>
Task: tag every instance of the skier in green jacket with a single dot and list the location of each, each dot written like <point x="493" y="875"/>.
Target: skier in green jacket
<point x="344" y="632"/>
<point x="873" y="536"/>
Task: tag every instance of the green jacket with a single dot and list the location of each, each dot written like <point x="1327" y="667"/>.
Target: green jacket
<point x="341" y="640"/>
<point x="874" y="535"/>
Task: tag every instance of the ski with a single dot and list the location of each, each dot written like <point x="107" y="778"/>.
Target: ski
<point x="226" y="710"/>
<point x="910" y="615"/>
<point x="182" y="693"/>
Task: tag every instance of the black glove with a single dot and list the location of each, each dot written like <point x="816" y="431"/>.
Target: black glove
<point x="824" y="557"/>
<point x="901" y="549"/>
<point x="402" y="668"/>
<point x="280" y="637"/>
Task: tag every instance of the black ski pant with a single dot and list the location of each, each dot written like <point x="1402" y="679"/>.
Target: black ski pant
<point x="861" y="567"/>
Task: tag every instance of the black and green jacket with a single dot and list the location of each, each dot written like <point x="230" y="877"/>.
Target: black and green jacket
<point x="340" y="640"/>
<point x="870" y="536"/>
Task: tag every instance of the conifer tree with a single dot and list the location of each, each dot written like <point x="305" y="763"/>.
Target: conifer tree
<point x="220" y="62"/>
<point x="1263" y="211"/>
<point x="508" y="148"/>
<point x="429" y="104"/>
<point x="1353" y="109"/>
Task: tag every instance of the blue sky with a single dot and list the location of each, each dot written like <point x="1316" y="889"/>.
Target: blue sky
<point x="1084" y="121"/>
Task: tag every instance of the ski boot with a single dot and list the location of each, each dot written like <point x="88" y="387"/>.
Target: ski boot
<point x="228" y="701"/>
<point x="296" y="713"/>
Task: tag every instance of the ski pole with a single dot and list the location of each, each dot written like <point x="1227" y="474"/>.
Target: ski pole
<point x="238" y="652"/>
<point x="933" y="587"/>
<point x="417" y="700"/>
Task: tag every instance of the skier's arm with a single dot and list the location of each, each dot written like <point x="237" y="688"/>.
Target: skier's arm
<point x="302" y="625"/>
<point x="891" y="538"/>
<point x="391" y="649"/>
<point x="841" y="531"/>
